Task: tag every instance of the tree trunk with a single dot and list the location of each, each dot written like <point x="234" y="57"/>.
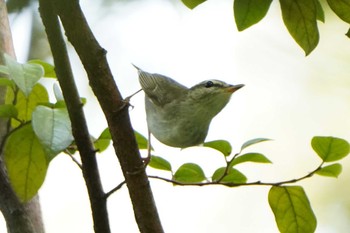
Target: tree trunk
<point x="19" y="217"/>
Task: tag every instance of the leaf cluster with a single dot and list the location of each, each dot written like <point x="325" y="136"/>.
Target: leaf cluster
<point x="39" y="130"/>
<point x="299" y="16"/>
<point x="289" y="203"/>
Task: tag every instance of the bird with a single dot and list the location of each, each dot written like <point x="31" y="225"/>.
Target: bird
<point x="179" y="116"/>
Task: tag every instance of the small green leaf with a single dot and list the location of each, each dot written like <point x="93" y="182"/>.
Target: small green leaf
<point x="232" y="176"/>
<point x="6" y="82"/>
<point x="330" y="149"/>
<point x="192" y="3"/>
<point x="250" y="157"/>
<point x="253" y="141"/>
<point x="341" y="8"/>
<point x="332" y="170"/>
<point x="292" y="209"/>
<point x="103" y="140"/>
<point x="220" y="145"/>
<point x="348" y="33"/>
<point x="300" y="18"/>
<point x="142" y="141"/>
<point x="24" y="75"/>
<point x="53" y="128"/>
<point x="25" y="105"/>
<point x="320" y="12"/>
<point x="159" y="163"/>
<point x="8" y="111"/>
<point x="188" y="173"/>
<point x="26" y="162"/>
<point x="49" y="70"/>
<point x="249" y="12"/>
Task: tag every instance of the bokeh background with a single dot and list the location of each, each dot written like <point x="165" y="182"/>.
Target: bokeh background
<point x="288" y="97"/>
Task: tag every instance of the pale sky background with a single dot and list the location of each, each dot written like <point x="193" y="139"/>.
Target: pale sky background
<point x="288" y="97"/>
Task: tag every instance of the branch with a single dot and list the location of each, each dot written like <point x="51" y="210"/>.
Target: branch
<point x="76" y="115"/>
<point x="230" y="184"/>
<point x="93" y="57"/>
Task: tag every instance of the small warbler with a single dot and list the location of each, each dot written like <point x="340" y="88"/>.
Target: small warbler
<point x="179" y="116"/>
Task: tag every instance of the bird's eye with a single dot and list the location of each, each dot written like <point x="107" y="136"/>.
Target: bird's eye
<point x="209" y="84"/>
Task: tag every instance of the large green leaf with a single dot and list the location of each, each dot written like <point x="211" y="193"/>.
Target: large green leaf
<point x="192" y="3"/>
<point x="24" y="75"/>
<point x="220" y="145"/>
<point x="332" y="170"/>
<point x="188" y="173"/>
<point x="330" y="149"/>
<point x="292" y="209"/>
<point x="25" y="105"/>
<point x="53" y="128"/>
<point x="250" y="157"/>
<point x="232" y="176"/>
<point x="341" y="8"/>
<point x="300" y="18"/>
<point x="26" y="162"/>
<point x="249" y="12"/>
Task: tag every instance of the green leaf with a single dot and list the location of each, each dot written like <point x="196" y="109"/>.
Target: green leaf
<point x="53" y="128"/>
<point x="332" y="170"/>
<point x="159" y="163"/>
<point x="25" y="105"/>
<point x="220" y="145"/>
<point x="300" y="18"/>
<point x="26" y="162"/>
<point x="142" y="141"/>
<point x="49" y="70"/>
<point x="249" y="12"/>
<point x="192" y="3"/>
<point x="250" y="157"/>
<point x="103" y="140"/>
<point x="6" y="82"/>
<point x="188" y="173"/>
<point x="8" y="111"/>
<point x="292" y="209"/>
<point x="341" y="8"/>
<point x="330" y="149"/>
<point x="348" y="33"/>
<point x="232" y="176"/>
<point x="253" y="141"/>
<point x="320" y="12"/>
<point x="24" y="75"/>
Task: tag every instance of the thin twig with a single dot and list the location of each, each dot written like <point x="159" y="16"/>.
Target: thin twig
<point x="231" y="184"/>
<point x="119" y="186"/>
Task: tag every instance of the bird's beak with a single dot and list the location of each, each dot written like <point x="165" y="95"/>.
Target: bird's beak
<point x="234" y="88"/>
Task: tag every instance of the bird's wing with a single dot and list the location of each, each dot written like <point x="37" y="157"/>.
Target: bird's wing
<point x="159" y="88"/>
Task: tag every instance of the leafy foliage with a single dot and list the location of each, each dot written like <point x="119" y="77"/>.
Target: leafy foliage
<point x="330" y="149"/>
<point x="299" y="16"/>
<point x="188" y="173"/>
<point x="192" y="3"/>
<point x="26" y="162"/>
<point x="40" y="131"/>
<point x="249" y="12"/>
<point x="292" y="209"/>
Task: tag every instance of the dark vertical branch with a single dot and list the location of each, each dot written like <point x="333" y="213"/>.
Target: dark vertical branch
<point x="76" y="114"/>
<point x="115" y="109"/>
<point x="19" y="217"/>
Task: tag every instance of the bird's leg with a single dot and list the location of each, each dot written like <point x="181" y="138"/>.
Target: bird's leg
<point x="126" y="101"/>
<point x="149" y="148"/>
